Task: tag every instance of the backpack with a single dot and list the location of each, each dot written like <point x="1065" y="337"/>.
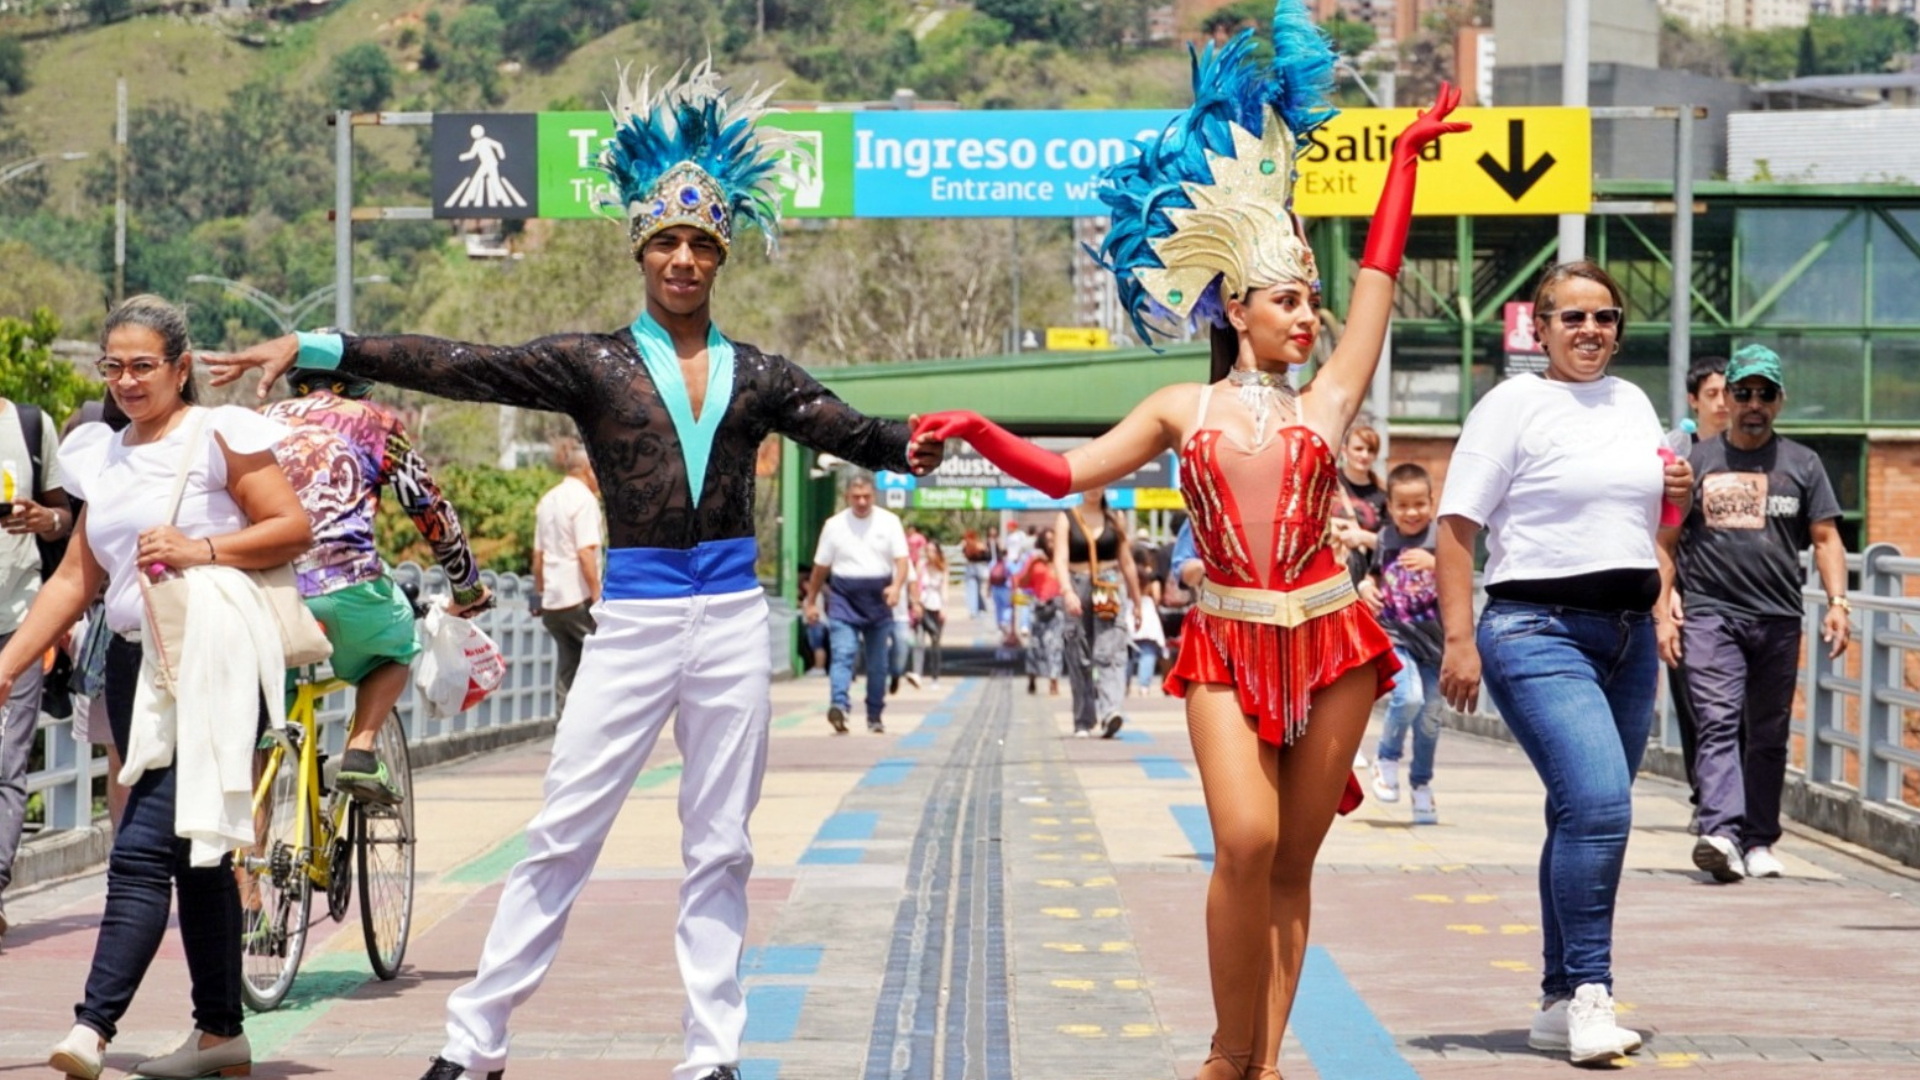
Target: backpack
<point x="33" y="424"/>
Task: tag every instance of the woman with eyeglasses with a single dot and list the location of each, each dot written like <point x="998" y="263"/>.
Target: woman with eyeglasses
<point x="1564" y="470"/>
<point x="236" y="509"/>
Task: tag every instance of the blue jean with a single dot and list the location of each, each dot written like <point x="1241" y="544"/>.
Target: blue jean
<point x="976" y="588"/>
<point x="1413" y="705"/>
<point x="147" y="863"/>
<point x="1147" y="663"/>
<point x="899" y="648"/>
<point x="874" y="644"/>
<point x="1577" y="688"/>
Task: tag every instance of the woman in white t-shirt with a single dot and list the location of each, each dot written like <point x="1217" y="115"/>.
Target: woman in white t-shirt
<point x="237" y="510"/>
<point x="1563" y="470"/>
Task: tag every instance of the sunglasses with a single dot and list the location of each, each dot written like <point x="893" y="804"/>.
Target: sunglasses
<point x="1574" y="318"/>
<point x="142" y="368"/>
<point x="1744" y="394"/>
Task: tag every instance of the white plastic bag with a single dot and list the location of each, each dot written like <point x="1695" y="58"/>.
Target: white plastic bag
<point x="459" y="666"/>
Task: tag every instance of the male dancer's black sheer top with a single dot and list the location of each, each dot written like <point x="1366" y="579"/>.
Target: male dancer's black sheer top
<point x="600" y="381"/>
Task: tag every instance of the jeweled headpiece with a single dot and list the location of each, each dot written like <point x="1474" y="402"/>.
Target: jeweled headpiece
<point x="1206" y="211"/>
<point x="688" y="154"/>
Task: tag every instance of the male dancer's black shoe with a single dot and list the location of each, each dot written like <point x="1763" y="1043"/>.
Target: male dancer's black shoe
<point x="724" y="1072"/>
<point x="442" y="1069"/>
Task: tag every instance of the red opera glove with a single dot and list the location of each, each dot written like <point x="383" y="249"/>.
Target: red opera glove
<point x="1042" y="470"/>
<point x="1387" y="236"/>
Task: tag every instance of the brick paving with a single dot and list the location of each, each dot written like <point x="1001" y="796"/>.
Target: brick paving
<point x="975" y="894"/>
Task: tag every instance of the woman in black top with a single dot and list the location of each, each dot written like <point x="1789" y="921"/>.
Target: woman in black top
<point x="1363" y="501"/>
<point x="1091" y="552"/>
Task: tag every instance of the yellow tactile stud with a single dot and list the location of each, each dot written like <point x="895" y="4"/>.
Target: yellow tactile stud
<point x="1085" y="1031"/>
<point x="1054" y="883"/>
<point x="1061" y="912"/>
<point x="1139" y="1031"/>
<point x="1074" y="984"/>
<point x="1116" y="946"/>
<point x="1044" y="837"/>
<point x="1046" y="821"/>
<point x="1106" y="913"/>
<point x="1097" y="883"/>
<point x="1066" y="946"/>
<point x="1512" y="965"/>
<point x="1433" y="898"/>
<point x="1129" y="984"/>
<point x="1479" y="898"/>
<point x="1517" y="928"/>
<point x="1466" y="928"/>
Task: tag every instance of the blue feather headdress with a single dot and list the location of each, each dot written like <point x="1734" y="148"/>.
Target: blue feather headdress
<point x="688" y="154"/>
<point x="1206" y="211"/>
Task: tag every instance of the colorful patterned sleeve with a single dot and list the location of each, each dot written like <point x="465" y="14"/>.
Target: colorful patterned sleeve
<point x="435" y="517"/>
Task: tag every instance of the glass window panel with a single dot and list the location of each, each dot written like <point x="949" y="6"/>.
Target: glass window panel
<point x="1830" y="292"/>
<point x="1426" y="374"/>
<point x="1896" y="378"/>
<point x="1826" y="376"/>
<point x="1896" y="272"/>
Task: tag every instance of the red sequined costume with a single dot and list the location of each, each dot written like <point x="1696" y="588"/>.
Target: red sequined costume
<point x="1277" y="616"/>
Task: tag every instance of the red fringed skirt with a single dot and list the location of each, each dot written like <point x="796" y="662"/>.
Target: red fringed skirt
<point x="1274" y="671"/>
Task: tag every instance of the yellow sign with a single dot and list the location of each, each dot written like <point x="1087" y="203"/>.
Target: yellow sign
<point x="1067" y="338"/>
<point x="1514" y="161"/>
<point x="1158" y="499"/>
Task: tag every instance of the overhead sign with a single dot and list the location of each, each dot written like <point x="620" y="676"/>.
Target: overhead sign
<point x="1514" y="161"/>
<point x="1073" y="338"/>
<point x="1018" y="163"/>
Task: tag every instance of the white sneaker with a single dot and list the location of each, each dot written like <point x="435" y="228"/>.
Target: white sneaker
<point x="1359" y="759"/>
<point x="1720" y="857"/>
<point x="1762" y="862"/>
<point x="1592" y="1034"/>
<point x="79" y="1055"/>
<point x="913" y="679"/>
<point x="1386" y="780"/>
<point x="1548" y="1031"/>
<point x="1424" y="812"/>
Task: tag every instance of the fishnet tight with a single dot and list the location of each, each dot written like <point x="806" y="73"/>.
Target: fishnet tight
<point x="1270" y="809"/>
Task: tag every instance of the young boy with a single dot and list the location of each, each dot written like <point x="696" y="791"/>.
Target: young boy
<point x="1402" y="579"/>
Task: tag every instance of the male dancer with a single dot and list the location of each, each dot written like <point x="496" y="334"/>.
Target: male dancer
<point x="672" y="413"/>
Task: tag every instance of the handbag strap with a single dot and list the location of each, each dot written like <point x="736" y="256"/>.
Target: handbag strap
<point x="1093" y="549"/>
<point x="195" y="425"/>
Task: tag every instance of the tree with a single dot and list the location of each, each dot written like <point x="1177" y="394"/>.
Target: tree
<point x="1427" y="58"/>
<point x="1350" y="37"/>
<point x="29" y="371"/>
<point x="1030" y="20"/>
<point x="360" y="79"/>
<point x="108" y="11"/>
<point x="13" y="66"/>
<point x="470" y="63"/>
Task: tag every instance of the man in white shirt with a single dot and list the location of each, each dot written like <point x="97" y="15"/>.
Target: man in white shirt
<point x="567" y="538"/>
<point x="864" y="549"/>
<point x="35" y="509"/>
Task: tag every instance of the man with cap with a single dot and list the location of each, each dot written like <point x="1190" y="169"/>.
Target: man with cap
<point x="672" y="413"/>
<point x="1760" y="499"/>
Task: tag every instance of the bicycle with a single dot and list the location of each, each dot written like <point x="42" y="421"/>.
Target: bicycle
<point x="311" y="837"/>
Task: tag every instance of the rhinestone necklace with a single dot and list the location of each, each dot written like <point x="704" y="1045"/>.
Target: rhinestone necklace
<point x="1259" y="391"/>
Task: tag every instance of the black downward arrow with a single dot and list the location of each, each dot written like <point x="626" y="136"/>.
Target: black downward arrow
<point x="1513" y="179"/>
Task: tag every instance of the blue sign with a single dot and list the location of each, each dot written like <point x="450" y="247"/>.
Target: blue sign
<point x="991" y="164"/>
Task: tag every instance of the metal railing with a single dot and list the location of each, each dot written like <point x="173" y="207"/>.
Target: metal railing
<point x="525" y="696"/>
<point x="1854" y="761"/>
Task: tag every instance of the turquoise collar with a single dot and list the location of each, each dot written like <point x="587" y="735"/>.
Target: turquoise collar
<point x="663" y="363"/>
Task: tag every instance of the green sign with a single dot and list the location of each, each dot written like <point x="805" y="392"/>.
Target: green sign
<point x="953" y="498"/>
<point x="572" y="185"/>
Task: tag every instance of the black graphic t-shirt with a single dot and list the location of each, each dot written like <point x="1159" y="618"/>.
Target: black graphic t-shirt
<point x="601" y="382"/>
<point x="1752" y="517"/>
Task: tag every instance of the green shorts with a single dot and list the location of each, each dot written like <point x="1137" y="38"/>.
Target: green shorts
<point x="370" y="624"/>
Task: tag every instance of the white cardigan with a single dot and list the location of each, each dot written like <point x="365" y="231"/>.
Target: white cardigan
<point x="230" y="656"/>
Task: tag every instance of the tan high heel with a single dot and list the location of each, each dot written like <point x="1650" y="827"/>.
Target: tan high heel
<point x="1237" y="1063"/>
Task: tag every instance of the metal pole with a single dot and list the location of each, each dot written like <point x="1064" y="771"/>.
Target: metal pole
<point x="1380" y="395"/>
<point x="1573" y="93"/>
<point x="1014" y="234"/>
<point x="343" y="221"/>
<point x="1680" y="339"/>
<point x="119" y="190"/>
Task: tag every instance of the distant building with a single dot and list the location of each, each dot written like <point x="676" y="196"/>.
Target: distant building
<point x="1623" y="32"/>
<point x="1740" y="14"/>
<point x="1909" y="8"/>
<point x="1393" y="20"/>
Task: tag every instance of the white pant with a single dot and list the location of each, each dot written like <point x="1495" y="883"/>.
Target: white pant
<point x="706" y="659"/>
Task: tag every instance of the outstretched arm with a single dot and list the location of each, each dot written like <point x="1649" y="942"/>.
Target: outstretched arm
<point x="546" y="374"/>
<point x="1145" y="432"/>
<point x="1339" y="389"/>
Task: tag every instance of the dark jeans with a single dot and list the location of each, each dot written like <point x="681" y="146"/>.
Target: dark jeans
<point x="932" y="623"/>
<point x="1740" y="674"/>
<point x="569" y="627"/>
<point x="147" y="863"/>
<point x="1576" y="688"/>
<point x="1689" y="733"/>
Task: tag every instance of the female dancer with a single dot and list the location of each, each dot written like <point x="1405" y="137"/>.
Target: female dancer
<point x="1279" y="667"/>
